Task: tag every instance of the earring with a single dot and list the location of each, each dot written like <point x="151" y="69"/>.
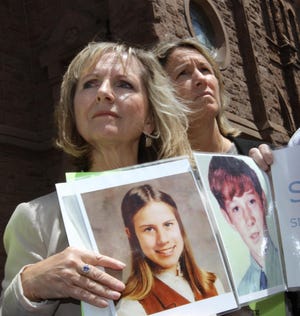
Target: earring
<point x="149" y="137"/>
<point x="148" y="141"/>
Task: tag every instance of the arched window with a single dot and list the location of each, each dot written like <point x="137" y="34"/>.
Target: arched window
<point x="202" y="26"/>
<point x="205" y="23"/>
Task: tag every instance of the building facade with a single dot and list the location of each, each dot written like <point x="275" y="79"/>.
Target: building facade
<point x="256" y="43"/>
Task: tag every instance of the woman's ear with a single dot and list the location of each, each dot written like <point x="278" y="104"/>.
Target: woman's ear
<point x="127" y="231"/>
<point x="149" y="125"/>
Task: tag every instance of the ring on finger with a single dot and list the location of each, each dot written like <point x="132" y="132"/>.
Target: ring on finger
<point x="85" y="268"/>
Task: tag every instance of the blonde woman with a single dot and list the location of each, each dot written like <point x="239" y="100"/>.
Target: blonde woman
<point x="199" y="84"/>
<point x="116" y="109"/>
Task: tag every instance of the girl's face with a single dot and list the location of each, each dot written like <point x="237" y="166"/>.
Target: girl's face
<point x="194" y="79"/>
<point x="110" y="102"/>
<point x="159" y="235"/>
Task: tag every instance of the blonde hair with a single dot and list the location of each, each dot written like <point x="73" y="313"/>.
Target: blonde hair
<point x="168" y="113"/>
<point x="163" y="51"/>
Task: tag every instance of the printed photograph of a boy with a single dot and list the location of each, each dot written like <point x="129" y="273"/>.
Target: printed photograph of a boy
<point x="243" y="203"/>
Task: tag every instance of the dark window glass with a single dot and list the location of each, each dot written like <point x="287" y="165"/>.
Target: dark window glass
<point x="202" y="26"/>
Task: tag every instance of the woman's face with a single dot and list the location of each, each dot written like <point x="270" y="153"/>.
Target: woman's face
<point x="110" y="102"/>
<point x="194" y="79"/>
<point x="159" y="235"/>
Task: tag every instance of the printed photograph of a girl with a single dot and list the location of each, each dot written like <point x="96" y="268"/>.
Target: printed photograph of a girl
<point x="160" y="229"/>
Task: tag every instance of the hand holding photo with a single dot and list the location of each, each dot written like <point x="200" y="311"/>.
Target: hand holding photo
<point x="140" y="216"/>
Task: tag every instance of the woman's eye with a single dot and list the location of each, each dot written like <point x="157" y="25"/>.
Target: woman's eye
<point x="148" y="229"/>
<point x="182" y="73"/>
<point x="205" y="70"/>
<point x="90" y="84"/>
<point x="168" y="224"/>
<point x="125" y="84"/>
<point x="252" y="201"/>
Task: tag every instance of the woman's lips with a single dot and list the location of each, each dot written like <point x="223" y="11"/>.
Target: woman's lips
<point x="204" y="94"/>
<point x="167" y="251"/>
<point x="105" y="113"/>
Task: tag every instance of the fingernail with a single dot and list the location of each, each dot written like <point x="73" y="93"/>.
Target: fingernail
<point x="122" y="264"/>
<point x="115" y="295"/>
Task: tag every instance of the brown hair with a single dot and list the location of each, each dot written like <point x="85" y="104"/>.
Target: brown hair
<point x="229" y="177"/>
<point x="140" y="280"/>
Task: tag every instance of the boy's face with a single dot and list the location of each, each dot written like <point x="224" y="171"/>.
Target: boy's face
<point x="246" y="213"/>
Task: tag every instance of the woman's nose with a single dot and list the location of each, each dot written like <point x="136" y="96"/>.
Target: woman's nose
<point x="105" y="92"/>
<point x="162" y="237"/>
<point x="199" y="78"/>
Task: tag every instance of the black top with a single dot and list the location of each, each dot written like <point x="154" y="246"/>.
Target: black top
<point x="243" y="145"/>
